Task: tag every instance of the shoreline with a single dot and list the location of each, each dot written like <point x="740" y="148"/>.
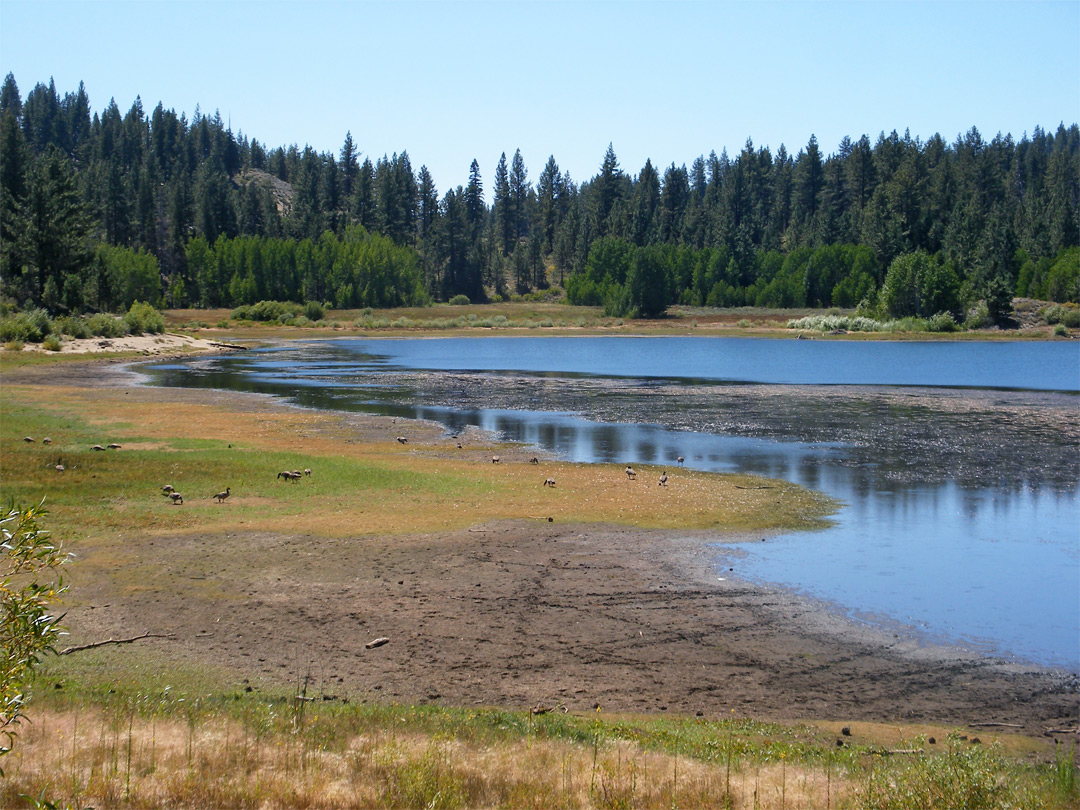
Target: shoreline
<point x="766" y="652"/>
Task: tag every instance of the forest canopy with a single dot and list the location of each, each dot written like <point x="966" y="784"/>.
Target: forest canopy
<point x="100" y="210"/>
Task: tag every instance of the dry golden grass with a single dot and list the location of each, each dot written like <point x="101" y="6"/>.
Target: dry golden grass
<point x="94" y="759"/>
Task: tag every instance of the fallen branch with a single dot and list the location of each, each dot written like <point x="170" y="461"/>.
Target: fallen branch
<point x="93" y="644"/>
<point x="988" y="725"/>
<point x="1063" y="730"/>
<point x="766" y="486"/>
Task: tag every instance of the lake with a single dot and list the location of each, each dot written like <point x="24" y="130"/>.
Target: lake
<point x="957" y="462"/>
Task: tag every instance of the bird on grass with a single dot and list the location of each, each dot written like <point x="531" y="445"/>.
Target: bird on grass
<point x="221" y="496"/>
<point x="663" y="479"/>
<point x="176" y="497"/>
<point x="549" y="482"/>
<point x="631" y="473"/>
<point x="402" y="440"/>
<point x="680" y="459"/>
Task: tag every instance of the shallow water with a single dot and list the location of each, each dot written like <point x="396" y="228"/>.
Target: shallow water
<point x="962" y="516"/>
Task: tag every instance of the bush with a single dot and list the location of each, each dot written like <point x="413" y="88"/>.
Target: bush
<point x="142" y="318"/>
<point x="102" y="325"/>
<point x="14" y="345"/>
<point x="314" y="311"/>
<point x="943" y="322"/>
<point x="73" y="326"/>
<point x="52" y="344"/>
<point x="30" y="327"/>
<point x="1067" y="315"/>
<point x="978" y="317"/>
<point x="266" y="311"/>
<point x="460" y="301"/>
<point x="1060" y="330"/>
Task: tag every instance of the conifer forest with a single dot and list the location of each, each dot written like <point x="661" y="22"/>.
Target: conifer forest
<point x="101" y="210"/>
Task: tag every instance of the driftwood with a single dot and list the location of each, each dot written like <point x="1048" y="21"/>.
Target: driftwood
<point x="766" y="486"/>
<point x="988" y="725"/>
<point x="1063" y="730"/>
<point x="93" y="644"/>
<point x="376" y="643"/>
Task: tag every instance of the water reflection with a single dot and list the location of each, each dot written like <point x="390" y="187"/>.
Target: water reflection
<point x="962" y="512"/>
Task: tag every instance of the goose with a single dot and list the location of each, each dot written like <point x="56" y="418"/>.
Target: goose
<point x="114" y="446"/>
<point x="549" y="482"/>
<point x="98" y="448"/>
<point x="534" y="460"/>
<point x="402" y="440"/>
<point x="495" y="459"/>
<point x="165" y="490"/>
<point x="221" y="496"/>
<point x="46" y="440"/>
<point x="680" y="459"/>
<point x="631" y="473"/>
<point x="663" y="479"/>
<point x="59" y="467"/>
<point x="307" y="471"/>
<point x="176" y="497"/>
<point x="288" y="475"/>
<point x="28" y="439"/>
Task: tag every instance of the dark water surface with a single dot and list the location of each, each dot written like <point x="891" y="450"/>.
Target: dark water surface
<point x="958" y="462"/>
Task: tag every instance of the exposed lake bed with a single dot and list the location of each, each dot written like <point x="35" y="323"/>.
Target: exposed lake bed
<point x="951" y="493"/>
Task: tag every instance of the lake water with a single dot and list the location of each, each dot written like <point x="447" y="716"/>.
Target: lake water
<point x="957" y="462"/>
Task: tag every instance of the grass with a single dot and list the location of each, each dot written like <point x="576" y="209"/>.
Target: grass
<point x="160" y="747"/>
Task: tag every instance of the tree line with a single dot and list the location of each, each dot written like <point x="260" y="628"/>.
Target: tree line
<point x="95" y="209"/>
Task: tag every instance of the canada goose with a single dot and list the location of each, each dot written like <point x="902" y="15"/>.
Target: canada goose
<point x="221" y="496"/>
<point x="307" y="471"/>
<point x="288" y="475"/>
<point x="114" y="446"/>
<point x="680" y="459"/>
<point x="177" y="498"/>
<point x="663" y="479"/>
<point x="534" y="460"/>
<point x="631" y="473"/>
<point x="495" y="459"/>
<point x="59" y="467"/>
<point x="402" y="440"/>
<point x="98" y="448"/>
<point x="549" y="482"/>
<point x="46" y="440"/>
<point x="165" y="490"/>
<point x="28" y="439"/>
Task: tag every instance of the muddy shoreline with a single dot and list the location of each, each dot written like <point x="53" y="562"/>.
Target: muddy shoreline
<point x="521" y="612"/>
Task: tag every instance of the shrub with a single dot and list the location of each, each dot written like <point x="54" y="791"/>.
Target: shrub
<point x="103" y="325"/>
<point x="265" y="311"/>
<point x="30" y="327"/>
<point x="14" y="345"/>
<point x="978" y="317"/>
<point x="314" y="311"/>
<point x="52" y="344"/>
<point x="460" y="301"/>
<point x="1067" y="315"/>
<point x="742" y="324"/>
<point x="143" y="318"/>
<point x="943" y="322"/>
<point x="1060" y="330"/>
<point x="72" y="325"/>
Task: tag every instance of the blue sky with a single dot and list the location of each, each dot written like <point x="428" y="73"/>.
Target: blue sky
<point x="662" y="80"/>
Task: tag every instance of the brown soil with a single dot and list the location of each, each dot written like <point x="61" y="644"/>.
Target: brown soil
<point x="525" y="612"/>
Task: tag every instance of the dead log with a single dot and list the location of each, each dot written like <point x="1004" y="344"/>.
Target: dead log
<point x="93" y="644"/>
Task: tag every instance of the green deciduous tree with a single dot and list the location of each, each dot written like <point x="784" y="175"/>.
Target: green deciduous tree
<point x="31" y="579"/>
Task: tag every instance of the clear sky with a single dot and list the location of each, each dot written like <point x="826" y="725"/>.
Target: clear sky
<point x="668" y="81"/>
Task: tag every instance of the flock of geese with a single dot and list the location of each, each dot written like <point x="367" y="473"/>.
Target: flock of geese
<point x="176" y="498"/>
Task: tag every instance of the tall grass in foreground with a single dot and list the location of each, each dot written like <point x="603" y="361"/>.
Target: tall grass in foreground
<point x="134" y="750"/>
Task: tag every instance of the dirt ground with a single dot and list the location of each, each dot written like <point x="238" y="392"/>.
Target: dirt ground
<point x="525" y="612"/>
